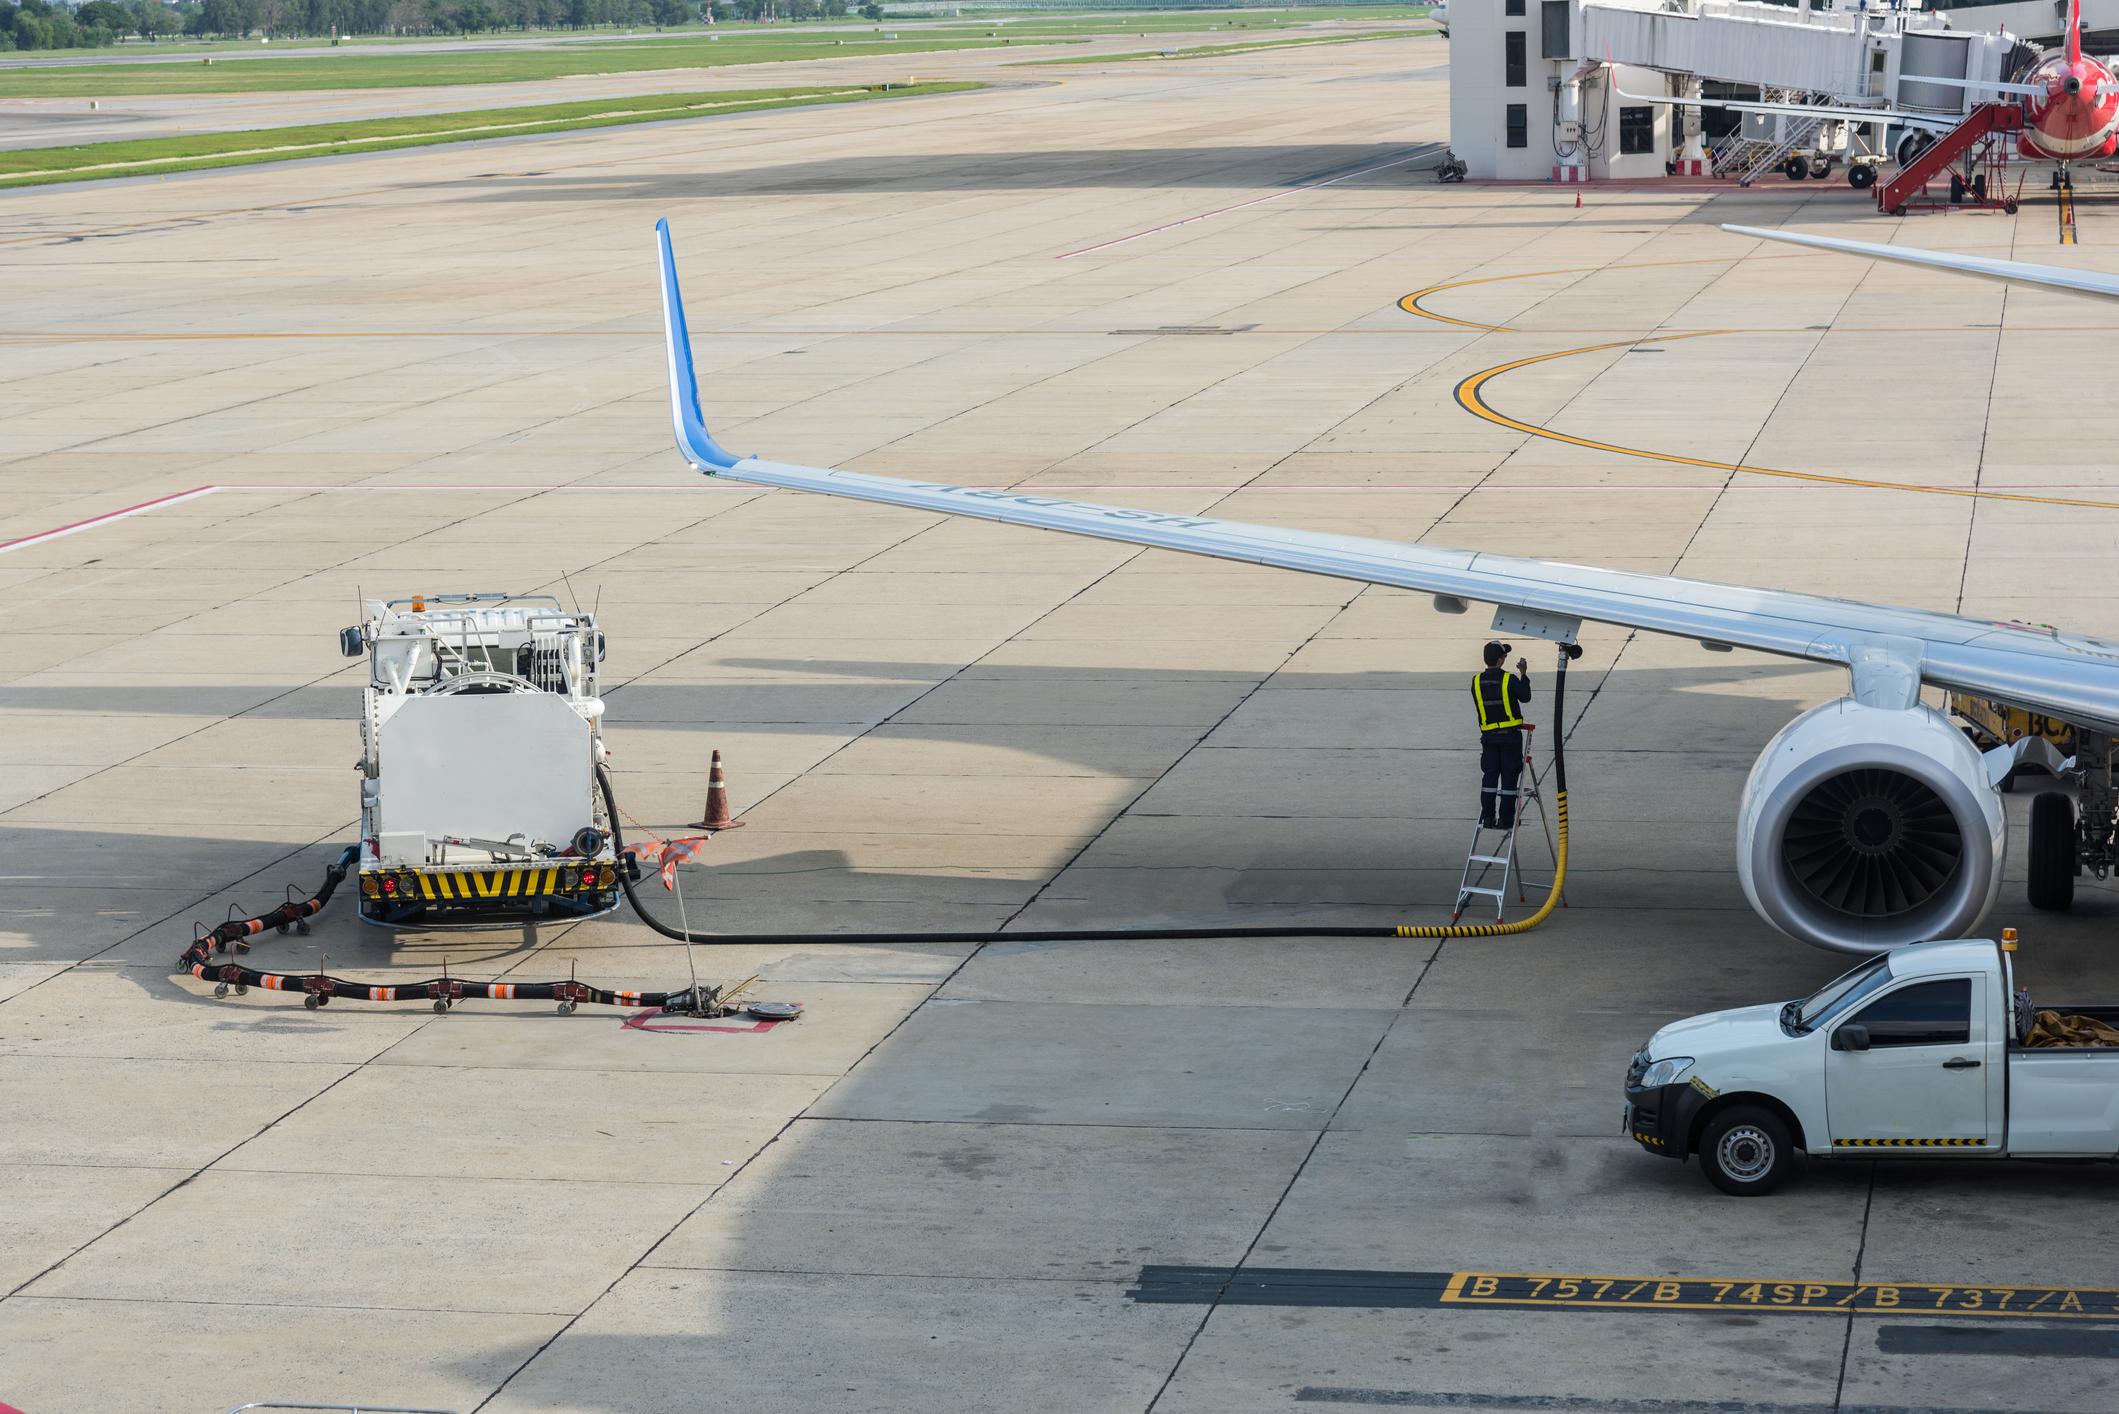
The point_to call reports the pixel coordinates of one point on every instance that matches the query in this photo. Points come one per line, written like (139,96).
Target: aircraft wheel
(1956,190)
(1745,1151)
(2051,881)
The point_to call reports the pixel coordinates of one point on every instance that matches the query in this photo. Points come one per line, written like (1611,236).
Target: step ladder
(1482,859)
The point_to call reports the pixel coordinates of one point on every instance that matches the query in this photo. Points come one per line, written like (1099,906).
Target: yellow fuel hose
(1568,651)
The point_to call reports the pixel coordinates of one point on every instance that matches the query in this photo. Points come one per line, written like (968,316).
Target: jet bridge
(1562,110)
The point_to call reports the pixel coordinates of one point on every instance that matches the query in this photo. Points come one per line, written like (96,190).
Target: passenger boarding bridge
(1537,87)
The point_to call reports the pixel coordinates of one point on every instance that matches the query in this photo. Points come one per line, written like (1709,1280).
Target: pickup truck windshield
(1841,991)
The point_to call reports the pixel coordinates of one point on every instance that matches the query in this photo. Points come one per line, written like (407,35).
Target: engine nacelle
(1866,828)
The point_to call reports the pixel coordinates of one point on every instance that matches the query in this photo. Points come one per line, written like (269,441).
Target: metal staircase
(1984,125)
(1745,159)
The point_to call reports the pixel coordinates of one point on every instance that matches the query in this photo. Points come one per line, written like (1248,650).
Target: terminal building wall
(1508,64)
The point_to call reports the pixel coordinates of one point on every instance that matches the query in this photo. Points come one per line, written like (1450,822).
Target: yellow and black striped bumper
(487,886)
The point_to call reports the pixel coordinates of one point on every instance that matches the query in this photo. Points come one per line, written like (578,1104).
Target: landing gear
(2052,863)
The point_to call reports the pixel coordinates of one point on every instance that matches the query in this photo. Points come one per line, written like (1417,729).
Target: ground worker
(1500,695)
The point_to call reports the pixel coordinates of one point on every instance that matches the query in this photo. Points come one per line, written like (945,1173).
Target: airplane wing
(2008,272)
(1890,651)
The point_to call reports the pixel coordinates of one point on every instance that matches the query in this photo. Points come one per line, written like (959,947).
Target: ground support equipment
(1975,154)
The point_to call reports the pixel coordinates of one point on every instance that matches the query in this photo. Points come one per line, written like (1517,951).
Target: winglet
(697,444)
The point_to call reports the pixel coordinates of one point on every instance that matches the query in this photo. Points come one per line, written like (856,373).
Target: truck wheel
(1861,175)
(1796,167)
(1745,1151)
(2052,864)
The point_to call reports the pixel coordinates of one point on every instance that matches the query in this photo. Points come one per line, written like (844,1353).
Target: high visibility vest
(1496,699)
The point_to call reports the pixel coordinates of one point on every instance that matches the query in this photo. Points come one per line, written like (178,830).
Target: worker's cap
(1495,652)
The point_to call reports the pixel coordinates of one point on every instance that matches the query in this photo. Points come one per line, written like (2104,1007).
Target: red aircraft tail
(2074,31)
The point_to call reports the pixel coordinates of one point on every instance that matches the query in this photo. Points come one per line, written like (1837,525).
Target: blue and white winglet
(1891,652)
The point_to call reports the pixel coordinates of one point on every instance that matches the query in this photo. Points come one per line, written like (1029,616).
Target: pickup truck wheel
(2051,881)
(1745,1151)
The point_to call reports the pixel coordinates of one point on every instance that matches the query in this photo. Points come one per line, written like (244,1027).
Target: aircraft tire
(2050,877)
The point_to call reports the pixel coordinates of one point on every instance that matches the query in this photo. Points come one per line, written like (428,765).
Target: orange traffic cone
(718,816)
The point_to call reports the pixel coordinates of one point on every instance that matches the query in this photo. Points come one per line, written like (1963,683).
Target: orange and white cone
(718,816)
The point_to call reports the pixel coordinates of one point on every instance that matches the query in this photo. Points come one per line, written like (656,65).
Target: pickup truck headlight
(1667,1071)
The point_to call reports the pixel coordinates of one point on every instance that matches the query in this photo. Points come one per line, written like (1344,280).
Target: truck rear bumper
(492,893)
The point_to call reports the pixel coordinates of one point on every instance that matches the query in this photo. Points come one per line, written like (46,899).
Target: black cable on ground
(1568,652)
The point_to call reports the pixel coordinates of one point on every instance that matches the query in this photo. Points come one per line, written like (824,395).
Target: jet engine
(1864,828)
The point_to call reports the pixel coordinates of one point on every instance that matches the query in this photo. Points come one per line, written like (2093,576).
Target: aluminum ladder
(1480,860)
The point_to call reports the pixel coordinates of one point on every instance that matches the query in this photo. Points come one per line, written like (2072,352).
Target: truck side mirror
(349,642)
(1851,1037)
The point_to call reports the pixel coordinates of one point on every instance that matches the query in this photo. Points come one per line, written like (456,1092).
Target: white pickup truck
(1923,1052)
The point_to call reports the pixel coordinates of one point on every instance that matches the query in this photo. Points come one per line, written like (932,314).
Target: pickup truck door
(1922,1083)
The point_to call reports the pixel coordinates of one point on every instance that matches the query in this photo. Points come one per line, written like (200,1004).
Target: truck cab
(1927,1051)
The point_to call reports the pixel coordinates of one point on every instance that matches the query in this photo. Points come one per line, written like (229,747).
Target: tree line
(39,24)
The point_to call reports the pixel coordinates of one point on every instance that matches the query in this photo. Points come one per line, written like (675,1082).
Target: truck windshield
(1841,991)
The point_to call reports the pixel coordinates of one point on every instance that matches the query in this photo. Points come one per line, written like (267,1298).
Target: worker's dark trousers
(1500,767)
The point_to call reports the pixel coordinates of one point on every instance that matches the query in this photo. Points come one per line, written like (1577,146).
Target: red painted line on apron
(639,1021)
(24,542)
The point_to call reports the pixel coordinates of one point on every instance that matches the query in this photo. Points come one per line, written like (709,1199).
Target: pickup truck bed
(2108,1015)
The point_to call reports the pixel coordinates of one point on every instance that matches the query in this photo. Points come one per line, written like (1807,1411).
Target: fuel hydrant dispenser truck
(481,734)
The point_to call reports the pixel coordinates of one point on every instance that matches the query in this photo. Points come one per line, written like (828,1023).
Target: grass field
(412,67)
(155,156)
(1209,51)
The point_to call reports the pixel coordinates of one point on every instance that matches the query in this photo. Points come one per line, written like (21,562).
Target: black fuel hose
(322,987)
(293,911)
(1115,935)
